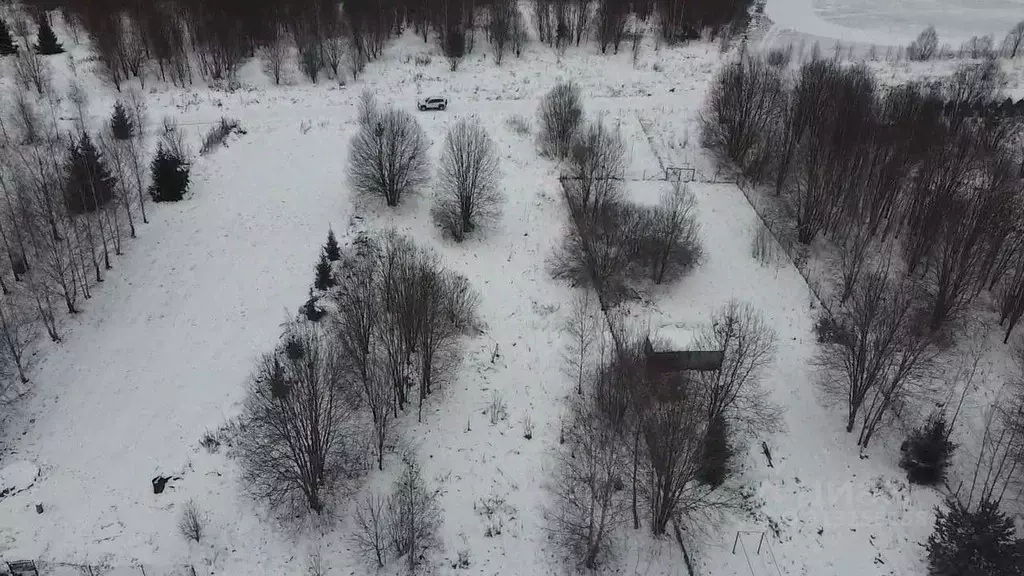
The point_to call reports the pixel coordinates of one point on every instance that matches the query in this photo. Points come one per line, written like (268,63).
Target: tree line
(183,40)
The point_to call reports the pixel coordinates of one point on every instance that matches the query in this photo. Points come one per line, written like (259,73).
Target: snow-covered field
(162,351)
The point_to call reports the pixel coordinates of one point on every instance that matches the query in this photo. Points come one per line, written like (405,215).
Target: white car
(433,103)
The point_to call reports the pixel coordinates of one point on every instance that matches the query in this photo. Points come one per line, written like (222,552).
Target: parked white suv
(433,103)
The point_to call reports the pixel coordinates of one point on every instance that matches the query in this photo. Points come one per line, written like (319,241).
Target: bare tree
(275,55)
(371,531)
(669,240)
(582,327)
(742,103)
(446,307)
(734,392)
(16,334)
(297,415)
(561,114)
(503,18)
(467,181)
(673,432)
(925,46)
(1014,40)
(587,505)
(414,515)
(192,523)
(30,69)
(879,354)
(597,169)
(389,157)
(25,118)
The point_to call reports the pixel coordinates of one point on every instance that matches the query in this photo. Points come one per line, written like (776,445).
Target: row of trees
(638,443)
(926,46)
(869,170)
(181,39)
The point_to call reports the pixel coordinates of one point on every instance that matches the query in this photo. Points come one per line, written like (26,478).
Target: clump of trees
(467,194)
(388,158)
(611,241)
(653,447)
(911,169)
(926,46)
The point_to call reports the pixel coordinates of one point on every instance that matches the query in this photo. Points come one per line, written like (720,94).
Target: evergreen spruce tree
(714,467)
(324,280)
(170,175)
(120,124)
(7,45)
(46,40)
(331,249)
(927,452)
(90,184)
(978,543)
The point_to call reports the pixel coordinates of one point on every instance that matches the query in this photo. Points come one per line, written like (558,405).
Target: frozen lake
(952,18)
(896,22)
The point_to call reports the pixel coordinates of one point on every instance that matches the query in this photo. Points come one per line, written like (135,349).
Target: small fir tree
(927,452)
(46,40)
(120,124)
(324,280)
(90,184)
(7,45)
(170,176)
(331,249)
(978,543)
(714,467)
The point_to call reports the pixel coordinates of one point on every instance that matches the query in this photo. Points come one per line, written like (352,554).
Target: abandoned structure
(668,369)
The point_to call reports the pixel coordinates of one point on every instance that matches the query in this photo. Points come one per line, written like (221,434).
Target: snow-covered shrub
(927,451)
(217,135)
(560,116)
(518,124)
(497,410)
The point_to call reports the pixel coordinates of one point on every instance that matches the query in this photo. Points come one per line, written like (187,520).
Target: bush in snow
(927,451)
(217,135)
(371,535)
(192,523)
(467,183)
(976,542)
(668,239)
(170,175)
(560,116)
